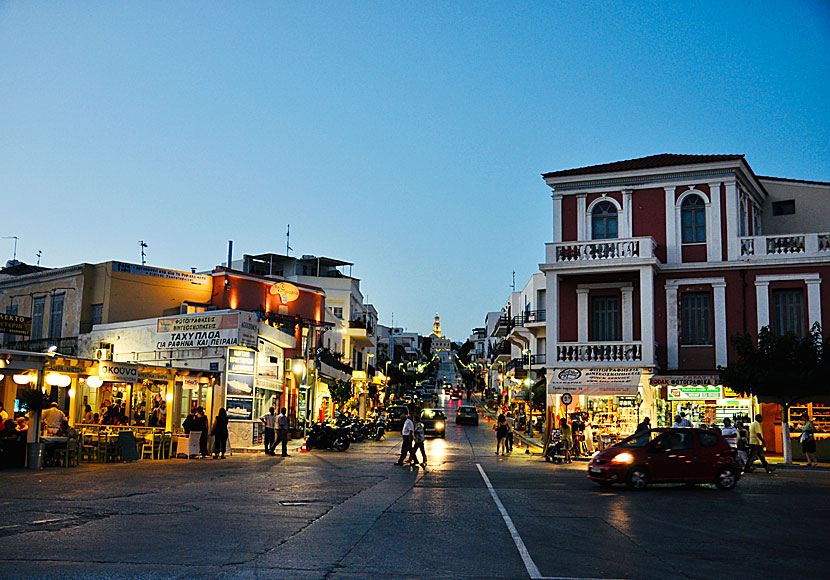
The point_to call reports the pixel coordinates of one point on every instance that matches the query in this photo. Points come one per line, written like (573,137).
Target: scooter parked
(324,436)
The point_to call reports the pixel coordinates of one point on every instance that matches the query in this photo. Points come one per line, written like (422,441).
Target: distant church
(440,344)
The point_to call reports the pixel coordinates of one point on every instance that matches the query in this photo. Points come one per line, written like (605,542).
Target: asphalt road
(355,515)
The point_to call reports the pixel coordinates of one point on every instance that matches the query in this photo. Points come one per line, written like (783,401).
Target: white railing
(787,245)
(599,352)
(600,250)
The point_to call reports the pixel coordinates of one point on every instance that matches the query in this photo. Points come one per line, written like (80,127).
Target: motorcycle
(377,428)
(324,436)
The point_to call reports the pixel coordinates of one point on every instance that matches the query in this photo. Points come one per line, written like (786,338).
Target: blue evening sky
(406,137)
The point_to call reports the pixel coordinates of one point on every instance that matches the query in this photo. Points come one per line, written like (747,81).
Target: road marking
(532,570)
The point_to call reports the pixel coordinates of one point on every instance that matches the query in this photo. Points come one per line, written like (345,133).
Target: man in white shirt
(270,422)
(730,433)
(52,418)
(406,433)
(282,431)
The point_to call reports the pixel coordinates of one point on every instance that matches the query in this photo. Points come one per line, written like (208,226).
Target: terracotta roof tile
(650,162)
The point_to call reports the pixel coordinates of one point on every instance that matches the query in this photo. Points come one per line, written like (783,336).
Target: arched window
(604,221)
(693,220)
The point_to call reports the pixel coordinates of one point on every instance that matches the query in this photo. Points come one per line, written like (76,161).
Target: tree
(341,391)
(782,369)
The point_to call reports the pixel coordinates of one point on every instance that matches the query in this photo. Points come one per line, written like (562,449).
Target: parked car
(397,415)
(435,422)
(667,455)
(466,414)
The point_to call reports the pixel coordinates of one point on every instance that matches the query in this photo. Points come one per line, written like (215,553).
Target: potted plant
(35,401)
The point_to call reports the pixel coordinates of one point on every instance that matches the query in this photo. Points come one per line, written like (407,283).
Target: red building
(656,262)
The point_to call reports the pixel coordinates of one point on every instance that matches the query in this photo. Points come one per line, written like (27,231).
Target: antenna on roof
(287,240)
(15,238)
(514,281)
(142,245)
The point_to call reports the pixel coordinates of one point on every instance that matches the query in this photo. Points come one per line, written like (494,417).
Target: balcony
(529,318)
(67,346)
(503,352)
(537,359)
(782,247)
(599,353)
(600,252)
(503,326)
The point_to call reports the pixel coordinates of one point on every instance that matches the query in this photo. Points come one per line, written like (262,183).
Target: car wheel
(727,478)
(637,478)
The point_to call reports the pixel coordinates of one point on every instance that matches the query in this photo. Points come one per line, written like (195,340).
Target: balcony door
(605,318)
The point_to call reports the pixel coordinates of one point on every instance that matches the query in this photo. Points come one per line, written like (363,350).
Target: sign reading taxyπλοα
(695,392)
(613,381)
(117,372)
(14,324)
(201,330)
(241,361)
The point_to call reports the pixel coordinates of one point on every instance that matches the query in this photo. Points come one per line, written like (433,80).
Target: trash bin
(34,457)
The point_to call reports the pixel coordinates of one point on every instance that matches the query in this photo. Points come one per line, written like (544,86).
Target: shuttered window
(605,318)
(37,317)
(788,311)
(56,316)
(696,319)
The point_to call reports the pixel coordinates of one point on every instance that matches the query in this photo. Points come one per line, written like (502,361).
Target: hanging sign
(117,372)
(201,330)
(614,381)
(241,361)
(660,380)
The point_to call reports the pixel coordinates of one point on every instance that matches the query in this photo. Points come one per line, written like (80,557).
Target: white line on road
(532,570)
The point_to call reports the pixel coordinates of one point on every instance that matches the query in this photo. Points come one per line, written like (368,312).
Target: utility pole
(142,245)
(514,281)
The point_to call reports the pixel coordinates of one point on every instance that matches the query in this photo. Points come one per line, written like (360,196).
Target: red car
(666,456)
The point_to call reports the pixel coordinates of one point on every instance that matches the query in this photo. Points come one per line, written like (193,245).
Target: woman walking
(567,438)
(220,434)
(501,435)
(808,442)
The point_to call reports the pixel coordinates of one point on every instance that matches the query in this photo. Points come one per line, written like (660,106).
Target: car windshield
(432,414)
(640,439)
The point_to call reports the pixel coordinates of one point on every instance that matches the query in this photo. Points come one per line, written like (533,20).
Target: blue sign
(214,366)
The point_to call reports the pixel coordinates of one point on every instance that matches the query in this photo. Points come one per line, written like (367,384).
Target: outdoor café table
(52,444)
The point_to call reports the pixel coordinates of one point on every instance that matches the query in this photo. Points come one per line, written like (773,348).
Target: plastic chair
(147,449)
(166,445)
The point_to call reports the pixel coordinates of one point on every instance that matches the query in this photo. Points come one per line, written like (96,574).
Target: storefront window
(149,409)
(264,399)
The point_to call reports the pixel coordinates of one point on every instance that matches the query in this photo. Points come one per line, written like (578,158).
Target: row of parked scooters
(344,430)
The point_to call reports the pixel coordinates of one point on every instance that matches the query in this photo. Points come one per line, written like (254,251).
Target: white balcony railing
(600,250)
(599,352)
(785,246)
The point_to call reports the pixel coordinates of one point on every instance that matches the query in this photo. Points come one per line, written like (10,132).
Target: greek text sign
(615,381)
(118,373)
(695,392)
(125,268)
(14,324)
(235,329)
(241,361)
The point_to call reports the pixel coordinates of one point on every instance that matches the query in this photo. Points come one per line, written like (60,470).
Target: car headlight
(623,458)
(439,425)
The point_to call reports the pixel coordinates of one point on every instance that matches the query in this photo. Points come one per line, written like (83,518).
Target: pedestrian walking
(588,432)
(756,446)
(220,434)
(567,438)
(200,424)
(808,442)
(644,426)
(406,437)
(282,432)
(510,428)
(501,434)
(418,437)
(730,433)
(270,421)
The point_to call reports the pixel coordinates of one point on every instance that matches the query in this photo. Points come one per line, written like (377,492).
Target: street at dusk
(354,514)
(428,290)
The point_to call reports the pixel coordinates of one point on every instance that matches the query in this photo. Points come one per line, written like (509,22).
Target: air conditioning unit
(103,354)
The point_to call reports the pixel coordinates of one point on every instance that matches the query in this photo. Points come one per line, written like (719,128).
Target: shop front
(609,402)
(702,398)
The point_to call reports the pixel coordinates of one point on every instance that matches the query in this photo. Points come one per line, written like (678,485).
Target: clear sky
(406,137)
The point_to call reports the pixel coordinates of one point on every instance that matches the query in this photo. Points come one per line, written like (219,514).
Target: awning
(612,381)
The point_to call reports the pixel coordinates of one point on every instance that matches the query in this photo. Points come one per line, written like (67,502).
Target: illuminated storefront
(701,397)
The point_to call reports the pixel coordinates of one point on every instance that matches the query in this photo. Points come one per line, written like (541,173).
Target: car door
(672,456)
